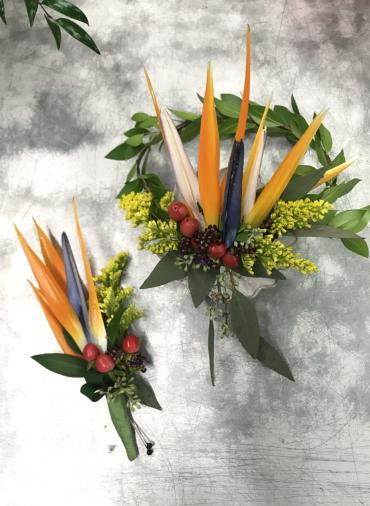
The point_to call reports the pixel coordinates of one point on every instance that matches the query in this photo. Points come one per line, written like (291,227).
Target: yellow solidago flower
(136,206)
(297,214)
(159,236)
(275,254)
(166,200)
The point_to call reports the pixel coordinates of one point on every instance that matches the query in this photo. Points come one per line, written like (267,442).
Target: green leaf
(146,392)
(93,377)
(114,326)
(150,121)
(298,125)
(91,392)
(31,6)
(121,418)
(299,186)
(200,284)
(164,272)
(135,186)
(358,246)
(227,108)
(211,350)
(283,114)
(155,185)
(335,192)
(55,30)
(320,230)
(185,115)
(304,170)
(135,140)
(66,8)
(244,322)
(191,131)
(338,160)
(138,117)
(77,33)
(227,127)
(2,11)
(132,173)
(123,152)
(231,99)
(273,359)
(326,138)
(71,342)
(294,104)
(133,131)
(353,219)
(321,155)
(66,365)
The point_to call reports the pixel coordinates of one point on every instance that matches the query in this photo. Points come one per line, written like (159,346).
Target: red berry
(230,260)
(216,250)
(189,227)
(90,352)
(104,363)
(131,344)
(177,211)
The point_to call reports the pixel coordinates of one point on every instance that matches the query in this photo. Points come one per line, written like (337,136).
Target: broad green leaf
(66,365)
(189,132)
(164,272)
(338,160)
(55,30)
(77,33)
(135,140)
(304,170)
(133,131)
(92,392)
(135,186)
(155,185)
(150,121)
(227,108)
(335,192)
(185,115)
(114,326)
(298,125)
(146,392)
(123,152)
(71,342)
(66,8)
(211,350)
(231,99)
(2,11)
(273,359)
(320,230)
(138,117)
(321,155)
(132,173)
(294,104)
(200,284)
(326,139)
(358,246)
(31,6)
(299,186)
(93,377)
(353,219)
(121,419)
(244,322)
(227,127)
(283,114)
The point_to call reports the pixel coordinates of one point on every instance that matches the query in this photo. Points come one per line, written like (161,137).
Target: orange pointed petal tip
(280,179)
(209,156)
(52,257)
(335,171)
(153,95)
(95,317)
(53,322)
(243,116)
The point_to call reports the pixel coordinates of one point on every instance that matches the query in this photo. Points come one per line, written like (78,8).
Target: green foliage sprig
(56,25)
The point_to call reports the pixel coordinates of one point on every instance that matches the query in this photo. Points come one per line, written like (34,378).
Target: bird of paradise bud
(62,296)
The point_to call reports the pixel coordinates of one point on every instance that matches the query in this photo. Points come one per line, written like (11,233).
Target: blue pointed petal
(233,194)
(76,292)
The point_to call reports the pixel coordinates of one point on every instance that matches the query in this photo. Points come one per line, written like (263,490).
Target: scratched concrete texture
(256,438)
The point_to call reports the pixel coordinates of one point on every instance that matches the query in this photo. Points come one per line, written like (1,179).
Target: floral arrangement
(92,326)
(220,229)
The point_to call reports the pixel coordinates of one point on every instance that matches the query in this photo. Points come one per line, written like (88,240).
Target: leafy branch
(56,25)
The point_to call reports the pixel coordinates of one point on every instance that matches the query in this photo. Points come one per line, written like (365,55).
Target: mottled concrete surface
(255,438)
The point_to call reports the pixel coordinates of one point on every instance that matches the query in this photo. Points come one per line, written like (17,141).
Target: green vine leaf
(55,30)
(200,284)
(164,272)
(146,392)
(244,322)
(66,365)
(121,418)
(272,358)
(2,11)
(78,33)
(358,246)
(66,8)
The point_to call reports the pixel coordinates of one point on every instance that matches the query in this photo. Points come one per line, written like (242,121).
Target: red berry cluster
(127,356)
(206,246)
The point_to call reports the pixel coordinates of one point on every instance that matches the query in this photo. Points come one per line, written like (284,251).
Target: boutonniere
(225,232)
(92,325)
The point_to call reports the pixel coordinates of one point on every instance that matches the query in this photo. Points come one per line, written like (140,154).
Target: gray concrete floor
(255,438)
